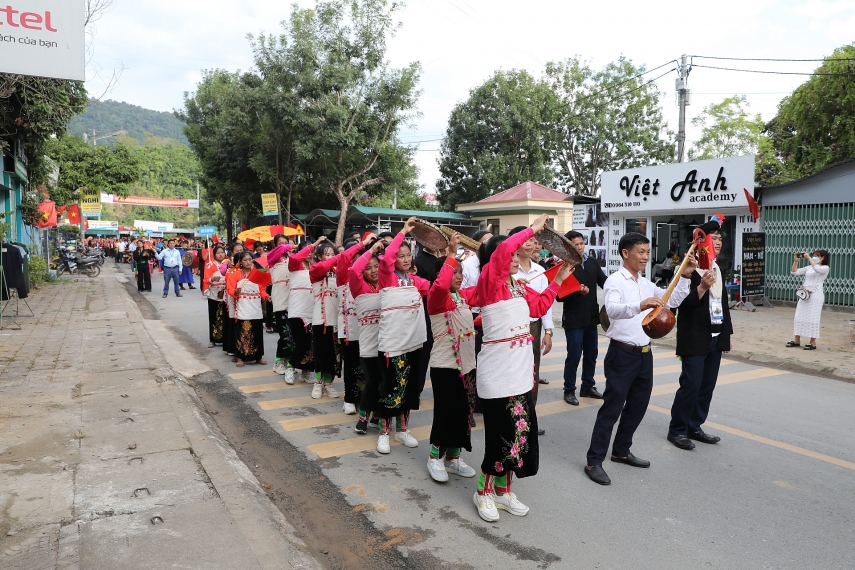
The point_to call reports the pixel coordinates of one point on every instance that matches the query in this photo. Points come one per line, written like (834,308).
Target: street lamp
(95,139)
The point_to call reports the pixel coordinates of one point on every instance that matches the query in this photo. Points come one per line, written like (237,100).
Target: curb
(830,372)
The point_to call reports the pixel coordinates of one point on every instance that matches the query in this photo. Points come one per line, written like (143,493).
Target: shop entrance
(673,234)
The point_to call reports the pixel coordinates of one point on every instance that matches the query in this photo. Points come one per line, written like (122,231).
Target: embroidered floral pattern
(218,323)
(471,393)
(286,345)
(395,393)
(245,341)
(514,450)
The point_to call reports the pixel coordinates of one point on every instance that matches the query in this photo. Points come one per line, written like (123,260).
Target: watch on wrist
(548,331)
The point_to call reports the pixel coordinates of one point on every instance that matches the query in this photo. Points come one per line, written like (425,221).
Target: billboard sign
(704,184)
(207,230)
(269,205)
(104,225)
(43,38)
(90,201)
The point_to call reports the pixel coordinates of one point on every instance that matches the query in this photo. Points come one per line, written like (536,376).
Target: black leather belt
(632,347)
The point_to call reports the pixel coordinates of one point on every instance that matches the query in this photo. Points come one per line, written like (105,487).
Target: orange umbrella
(267,233)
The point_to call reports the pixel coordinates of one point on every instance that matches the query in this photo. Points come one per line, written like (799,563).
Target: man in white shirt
(171,258)
(628,366)
(120,250)
(533,274)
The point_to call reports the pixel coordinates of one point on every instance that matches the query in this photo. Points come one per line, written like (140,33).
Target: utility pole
(199,209)
(683,93)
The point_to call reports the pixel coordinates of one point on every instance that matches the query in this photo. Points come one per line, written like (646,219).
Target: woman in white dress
(809,310)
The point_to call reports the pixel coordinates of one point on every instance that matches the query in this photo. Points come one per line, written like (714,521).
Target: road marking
(253,374)
(321,420)
(771,442)
(367,443)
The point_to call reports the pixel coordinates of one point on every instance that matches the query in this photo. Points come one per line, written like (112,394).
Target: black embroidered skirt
(325,349)
(354,381)
(216,321)
(372,374)
(229,326)
(249,339)
(510,436)
(454,402)
(399,387)
(285,344)
(301,357)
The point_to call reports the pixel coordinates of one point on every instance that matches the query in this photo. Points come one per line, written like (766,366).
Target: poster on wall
(753,279)
(590,221)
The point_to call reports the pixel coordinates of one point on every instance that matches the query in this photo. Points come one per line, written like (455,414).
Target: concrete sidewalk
(106,461)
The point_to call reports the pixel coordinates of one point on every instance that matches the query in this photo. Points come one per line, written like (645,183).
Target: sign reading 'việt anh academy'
(703,184)
(43,38)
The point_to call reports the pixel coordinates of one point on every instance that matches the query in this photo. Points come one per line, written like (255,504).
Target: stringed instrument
(660,321)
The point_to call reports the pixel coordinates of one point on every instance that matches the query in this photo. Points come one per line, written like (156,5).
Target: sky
(163,46)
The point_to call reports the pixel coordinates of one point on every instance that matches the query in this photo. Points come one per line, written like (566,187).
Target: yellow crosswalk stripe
(322,420)
(252,374)
(368,443)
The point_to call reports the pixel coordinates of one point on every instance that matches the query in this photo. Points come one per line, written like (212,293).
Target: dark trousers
(170,273)
(143,276)
(581,345)
(629,382)
(697,382)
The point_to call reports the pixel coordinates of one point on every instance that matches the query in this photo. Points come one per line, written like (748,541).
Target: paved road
(777,492)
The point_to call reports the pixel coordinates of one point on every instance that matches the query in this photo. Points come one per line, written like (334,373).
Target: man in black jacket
(703,334)
(580,318)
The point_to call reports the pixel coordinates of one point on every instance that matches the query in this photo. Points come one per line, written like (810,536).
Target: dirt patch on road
(333,529)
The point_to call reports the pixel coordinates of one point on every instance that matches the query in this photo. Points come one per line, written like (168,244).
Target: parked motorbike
(73,264)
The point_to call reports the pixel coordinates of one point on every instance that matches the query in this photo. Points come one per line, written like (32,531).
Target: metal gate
(805,228)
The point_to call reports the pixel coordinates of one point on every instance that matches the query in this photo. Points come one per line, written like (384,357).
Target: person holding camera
(811,298)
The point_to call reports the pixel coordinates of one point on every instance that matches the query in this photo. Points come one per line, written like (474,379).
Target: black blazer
(693,322)
(582,310)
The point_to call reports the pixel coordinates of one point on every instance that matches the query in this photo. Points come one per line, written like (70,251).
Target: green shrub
(38,270)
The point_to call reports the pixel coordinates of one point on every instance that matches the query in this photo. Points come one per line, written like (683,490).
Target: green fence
(805,228)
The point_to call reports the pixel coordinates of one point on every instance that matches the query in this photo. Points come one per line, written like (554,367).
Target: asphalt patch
(510,547)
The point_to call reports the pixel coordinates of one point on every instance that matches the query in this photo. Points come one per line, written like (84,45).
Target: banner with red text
(149,201)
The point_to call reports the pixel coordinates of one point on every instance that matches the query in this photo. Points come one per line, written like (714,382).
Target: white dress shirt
(622,297)
(170,257)
(537,281)
(471,272)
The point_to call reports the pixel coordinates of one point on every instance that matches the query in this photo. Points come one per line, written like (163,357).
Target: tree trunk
(288,205)
(227,209)
(344,202)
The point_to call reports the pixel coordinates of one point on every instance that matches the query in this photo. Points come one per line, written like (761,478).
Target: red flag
(752,205)
(248,244)
(276,230)
(215,239)
(568,287)
(47,215)
(60,210)
(74,214)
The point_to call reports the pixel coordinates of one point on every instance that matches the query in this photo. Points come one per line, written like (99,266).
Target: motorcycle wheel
(92,270)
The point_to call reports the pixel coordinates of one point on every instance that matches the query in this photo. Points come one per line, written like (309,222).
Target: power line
(769,59)
(774,72)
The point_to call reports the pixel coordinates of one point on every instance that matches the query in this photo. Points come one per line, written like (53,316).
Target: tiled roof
(526,191)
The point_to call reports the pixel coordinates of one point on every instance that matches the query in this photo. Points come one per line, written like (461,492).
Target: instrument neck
(677,275)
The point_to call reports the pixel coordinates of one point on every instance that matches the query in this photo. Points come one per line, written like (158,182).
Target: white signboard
(146,225)
(704,184)
(43,38)
(593,224)
(104,225)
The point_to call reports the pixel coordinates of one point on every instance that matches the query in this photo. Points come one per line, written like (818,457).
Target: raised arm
(539,304)
(295,261)
(438,295)
(275,255)
(343,263)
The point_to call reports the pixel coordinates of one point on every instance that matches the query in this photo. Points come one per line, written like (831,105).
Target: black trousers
(143,276)
(697,382)
(301,357)
(629,382)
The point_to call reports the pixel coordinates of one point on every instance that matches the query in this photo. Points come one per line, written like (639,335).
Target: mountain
(107,117)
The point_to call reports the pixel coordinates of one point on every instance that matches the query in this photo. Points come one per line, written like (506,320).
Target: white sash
(368,315)
(506,360)
(460,340)
(325,298)
(402,320)
(301,304)
(249,301)
(348,324)
(280,290)
(214,288)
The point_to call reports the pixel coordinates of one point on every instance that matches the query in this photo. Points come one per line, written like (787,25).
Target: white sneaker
(486,507)
(508,502)
(383,443)
(458,467)
(405,438)
(279,367)
(436,468)
(289,374)
(308,377)
(317,391)
(349,409)
(330,391)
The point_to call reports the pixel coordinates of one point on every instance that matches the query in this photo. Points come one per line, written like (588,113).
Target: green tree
(727,129)
(110,170)
(224,149)
(815,126)
(496,139)
(603,120)
(352,103)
